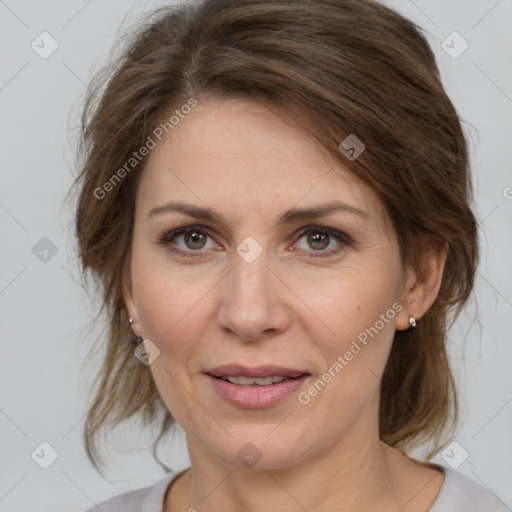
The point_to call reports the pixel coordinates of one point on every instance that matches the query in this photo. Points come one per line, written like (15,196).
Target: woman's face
(262,282)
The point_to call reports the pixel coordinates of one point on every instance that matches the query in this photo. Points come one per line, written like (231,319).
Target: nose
(252,304)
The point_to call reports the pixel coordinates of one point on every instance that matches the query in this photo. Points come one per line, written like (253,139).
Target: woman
(275,199)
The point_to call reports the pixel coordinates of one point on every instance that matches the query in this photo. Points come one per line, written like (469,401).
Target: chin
(262,447)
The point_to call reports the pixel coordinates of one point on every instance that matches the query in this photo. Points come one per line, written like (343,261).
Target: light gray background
(45,313)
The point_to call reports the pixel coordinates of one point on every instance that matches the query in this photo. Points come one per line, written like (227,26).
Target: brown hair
(337,67)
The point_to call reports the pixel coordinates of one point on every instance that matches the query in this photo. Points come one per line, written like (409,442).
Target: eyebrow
(293,215)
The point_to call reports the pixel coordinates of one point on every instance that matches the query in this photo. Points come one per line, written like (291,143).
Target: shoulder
(460,493)
(147,499)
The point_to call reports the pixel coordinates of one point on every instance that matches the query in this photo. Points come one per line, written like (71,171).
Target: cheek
(173,309)
(354,358)
(169,298)
(348,300)
(353,325)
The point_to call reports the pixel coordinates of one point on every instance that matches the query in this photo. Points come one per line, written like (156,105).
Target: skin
(289,307)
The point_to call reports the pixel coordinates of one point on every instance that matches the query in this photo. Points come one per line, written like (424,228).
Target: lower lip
(254,397)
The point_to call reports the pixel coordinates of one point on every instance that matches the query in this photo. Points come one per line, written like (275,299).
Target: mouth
(261,375)
(254,388)
(256,381)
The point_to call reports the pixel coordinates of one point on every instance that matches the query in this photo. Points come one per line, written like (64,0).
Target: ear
(422,283)
(129,303)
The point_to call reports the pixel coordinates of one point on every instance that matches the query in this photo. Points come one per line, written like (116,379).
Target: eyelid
(173,233)
(168,236)
(335,233)
(343,241)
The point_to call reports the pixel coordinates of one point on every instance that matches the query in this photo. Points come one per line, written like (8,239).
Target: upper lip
(236,370)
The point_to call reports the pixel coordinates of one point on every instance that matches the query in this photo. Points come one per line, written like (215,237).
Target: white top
(458,494)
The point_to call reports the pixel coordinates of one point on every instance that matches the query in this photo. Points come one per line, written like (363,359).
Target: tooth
(267,381)
(249,381)
(245,381)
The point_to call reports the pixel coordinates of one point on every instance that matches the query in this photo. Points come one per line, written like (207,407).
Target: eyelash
(166,239)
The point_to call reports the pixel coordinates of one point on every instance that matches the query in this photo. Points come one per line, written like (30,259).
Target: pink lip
(255,397)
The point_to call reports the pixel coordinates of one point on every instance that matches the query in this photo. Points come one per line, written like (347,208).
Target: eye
(188,241)
(318,239)
(194,239)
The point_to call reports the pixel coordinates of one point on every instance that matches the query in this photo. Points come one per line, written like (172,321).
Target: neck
(354,475)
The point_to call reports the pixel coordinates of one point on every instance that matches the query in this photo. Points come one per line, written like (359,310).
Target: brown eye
(188,241)
(194,240)
(322,242)
(318,241)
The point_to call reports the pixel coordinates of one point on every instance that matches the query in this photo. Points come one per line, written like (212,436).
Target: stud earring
(137,339)
(412,321)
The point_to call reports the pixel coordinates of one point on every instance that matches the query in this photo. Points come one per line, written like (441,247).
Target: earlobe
(133,321)
(422,286)
(131,313)
(129,304)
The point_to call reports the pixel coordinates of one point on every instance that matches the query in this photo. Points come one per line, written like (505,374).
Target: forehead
(238,156)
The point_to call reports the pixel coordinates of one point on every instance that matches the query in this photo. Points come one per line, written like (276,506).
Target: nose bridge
(250,272)
(249,304)
(248,282)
